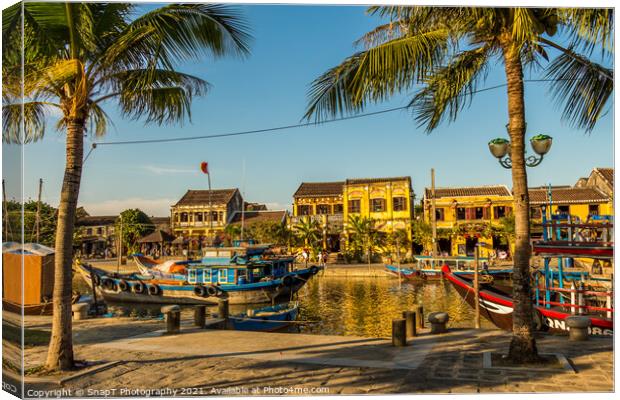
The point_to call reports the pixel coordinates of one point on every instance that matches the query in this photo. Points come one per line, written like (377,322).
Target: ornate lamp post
(500,148)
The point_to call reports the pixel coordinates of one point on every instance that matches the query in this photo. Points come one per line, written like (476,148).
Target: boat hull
(497,307)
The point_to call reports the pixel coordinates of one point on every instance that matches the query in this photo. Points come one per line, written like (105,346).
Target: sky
(292,46)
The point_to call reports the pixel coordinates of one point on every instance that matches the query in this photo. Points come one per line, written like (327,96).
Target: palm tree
(397,243)
(308,230)
(232,231)
(78,57)
(448,51)
(363,235)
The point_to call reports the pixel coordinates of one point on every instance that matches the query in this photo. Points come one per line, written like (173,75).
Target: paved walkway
(203,362)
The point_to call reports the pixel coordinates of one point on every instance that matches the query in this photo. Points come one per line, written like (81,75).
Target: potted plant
(541,143)
(499,147)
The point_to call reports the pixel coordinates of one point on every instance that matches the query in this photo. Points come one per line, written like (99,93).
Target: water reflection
(346,306)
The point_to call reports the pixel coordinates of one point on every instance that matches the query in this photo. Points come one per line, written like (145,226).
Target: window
(304,210)
(338,209)
(184,217)
(563,210)
(198,217)
(499,212)
(99,231)
(439,214)
(535,213)
(89,231)
(323,209)
(593,209)
(479,213)
(377,205)
(399,204)
(460,213)
(354,206)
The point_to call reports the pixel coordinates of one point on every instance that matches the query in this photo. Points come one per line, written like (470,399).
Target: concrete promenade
(204,362)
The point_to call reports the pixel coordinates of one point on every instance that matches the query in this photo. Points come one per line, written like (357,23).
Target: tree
(47,225)
(448,50)
(397,243)
(364,236)
(308,230)
(422,233)
(269,232)
(78,57)
(133,225)
(232,232)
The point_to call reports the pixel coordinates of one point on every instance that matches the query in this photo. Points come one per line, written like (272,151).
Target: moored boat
(496,305)
(405,273)
(430,268)
(266,319)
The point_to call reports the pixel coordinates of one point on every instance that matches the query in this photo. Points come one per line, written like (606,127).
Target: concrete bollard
(438,322)
(173,319)
(399,333)
(223,312)
(410,319)
(578,328)
(419,311)
(80,310)
(200,313)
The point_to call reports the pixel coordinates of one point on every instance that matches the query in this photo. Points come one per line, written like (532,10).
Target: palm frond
(589,28)
(180,32)
(582,86)
(375,74)
(32,118)
(449,89)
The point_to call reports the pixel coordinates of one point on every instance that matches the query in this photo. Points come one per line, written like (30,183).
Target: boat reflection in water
(348,306)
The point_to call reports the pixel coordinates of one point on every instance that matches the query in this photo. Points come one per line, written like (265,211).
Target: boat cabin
(456,263)
(239,274)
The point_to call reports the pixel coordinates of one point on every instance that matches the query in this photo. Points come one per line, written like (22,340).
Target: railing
(332,219)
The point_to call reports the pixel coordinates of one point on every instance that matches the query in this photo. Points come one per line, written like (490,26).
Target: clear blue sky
(292,46)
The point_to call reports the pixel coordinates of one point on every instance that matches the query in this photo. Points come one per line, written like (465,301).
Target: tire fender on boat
(154,290)
(123,285)
(211,290)
(139,287)
(314,270)
(108,284)
(200,291)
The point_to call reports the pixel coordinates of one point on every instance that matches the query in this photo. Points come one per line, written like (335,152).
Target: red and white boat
(496,305)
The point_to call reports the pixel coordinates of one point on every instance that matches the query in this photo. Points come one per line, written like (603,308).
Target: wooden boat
(405,273)
(430,268)
(266,319)
(203,288)
(497,306)
(565,248)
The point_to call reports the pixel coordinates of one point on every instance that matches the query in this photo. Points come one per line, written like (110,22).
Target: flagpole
(210,208)
(243,201)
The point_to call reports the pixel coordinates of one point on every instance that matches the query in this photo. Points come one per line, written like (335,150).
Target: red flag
(204,166)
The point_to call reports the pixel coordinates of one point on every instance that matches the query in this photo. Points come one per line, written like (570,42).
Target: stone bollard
(419,311)
(399,333)
(578,328)
(173,319)
(438,321)
(200,313)
(223,312)
(410,319)
(80,310)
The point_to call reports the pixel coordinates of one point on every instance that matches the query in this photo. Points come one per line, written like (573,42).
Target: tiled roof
(201,197)
(496,190)
(96,220)
(314,189)
(157,236)
(251,217)
(607,174)
(358,181)
(160,220)
(567,195)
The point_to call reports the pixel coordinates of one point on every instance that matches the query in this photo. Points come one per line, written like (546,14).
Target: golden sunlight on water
(366,306)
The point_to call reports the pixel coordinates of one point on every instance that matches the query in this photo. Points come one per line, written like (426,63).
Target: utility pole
(477,287)
(433,213)
(38,218)
(120,245)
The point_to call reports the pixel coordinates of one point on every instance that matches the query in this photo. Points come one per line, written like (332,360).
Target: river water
(352,306)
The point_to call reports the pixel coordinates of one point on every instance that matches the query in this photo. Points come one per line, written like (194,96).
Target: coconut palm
(79,57)
(308,230)
(363,235)
(448,50)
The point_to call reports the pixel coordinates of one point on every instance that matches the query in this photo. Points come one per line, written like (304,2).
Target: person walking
(321,257)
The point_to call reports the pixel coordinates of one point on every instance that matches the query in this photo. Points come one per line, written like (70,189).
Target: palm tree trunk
(523,345)
(60,352)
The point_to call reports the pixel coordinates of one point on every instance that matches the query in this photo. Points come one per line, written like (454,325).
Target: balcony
(333,220)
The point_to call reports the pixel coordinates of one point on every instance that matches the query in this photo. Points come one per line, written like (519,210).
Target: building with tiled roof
(464,215)
(204,213)
(603,179)
(252,217)
(567,195)
(319,189)
(96,234)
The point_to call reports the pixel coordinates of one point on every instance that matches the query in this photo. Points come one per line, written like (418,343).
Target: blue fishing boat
(431,267)
(266,319)
(405,273)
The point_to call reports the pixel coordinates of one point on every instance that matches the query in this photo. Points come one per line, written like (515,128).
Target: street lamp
(500,148)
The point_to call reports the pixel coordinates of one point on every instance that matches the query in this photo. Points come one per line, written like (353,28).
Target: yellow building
(580,202)
(465,216)
(388,201)
(204,213)
(321,201)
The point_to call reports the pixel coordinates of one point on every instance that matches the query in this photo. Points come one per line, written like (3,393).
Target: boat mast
(433,213)
(38,217)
